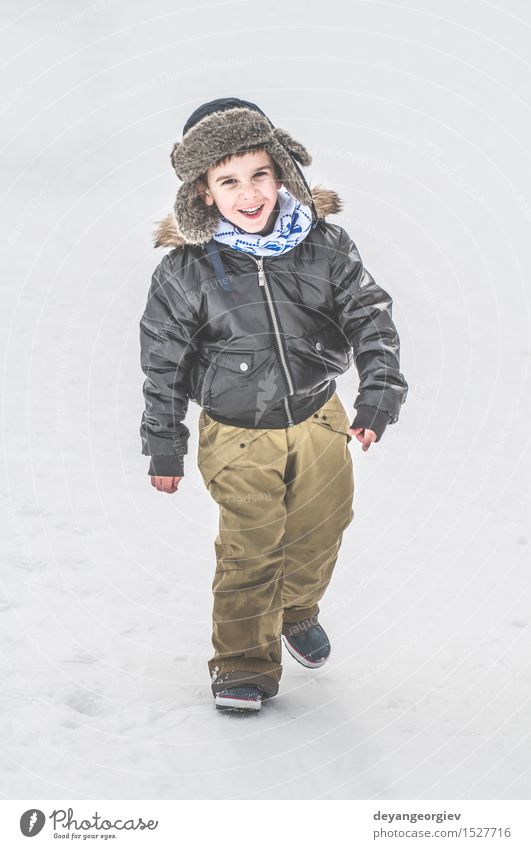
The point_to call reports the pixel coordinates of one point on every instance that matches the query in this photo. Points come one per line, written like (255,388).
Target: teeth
(253,209)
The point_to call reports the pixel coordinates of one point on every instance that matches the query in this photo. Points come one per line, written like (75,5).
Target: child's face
(244,183)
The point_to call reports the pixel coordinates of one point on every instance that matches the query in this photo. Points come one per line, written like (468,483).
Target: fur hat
(215,130)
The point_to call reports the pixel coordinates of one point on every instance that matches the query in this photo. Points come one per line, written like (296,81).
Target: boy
(254,312)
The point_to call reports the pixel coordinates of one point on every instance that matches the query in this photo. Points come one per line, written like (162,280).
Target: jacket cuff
(372,418)
(166,466)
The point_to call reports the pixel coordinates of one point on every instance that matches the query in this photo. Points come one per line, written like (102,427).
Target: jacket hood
(167,234)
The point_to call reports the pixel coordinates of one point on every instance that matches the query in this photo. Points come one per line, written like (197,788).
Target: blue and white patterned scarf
(294,221)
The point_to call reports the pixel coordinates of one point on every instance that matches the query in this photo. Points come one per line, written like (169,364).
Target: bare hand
(165,484)
(364,435)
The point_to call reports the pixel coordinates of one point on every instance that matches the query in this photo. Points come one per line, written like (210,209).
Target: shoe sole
(235,704)
(310,664)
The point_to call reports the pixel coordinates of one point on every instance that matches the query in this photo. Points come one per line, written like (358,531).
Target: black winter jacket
(258,341)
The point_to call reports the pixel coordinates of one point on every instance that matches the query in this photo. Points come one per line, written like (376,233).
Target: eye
(226,182)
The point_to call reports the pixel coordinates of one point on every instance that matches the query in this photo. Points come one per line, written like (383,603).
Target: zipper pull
(261,274)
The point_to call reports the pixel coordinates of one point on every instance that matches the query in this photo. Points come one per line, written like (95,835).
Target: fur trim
(167,234)
(222,133)
(295,149)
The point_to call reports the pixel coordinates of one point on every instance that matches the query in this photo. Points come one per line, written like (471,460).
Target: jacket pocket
(205,383)
(331,348)
(238,361)
(232,386)
(316,359)
(196,377)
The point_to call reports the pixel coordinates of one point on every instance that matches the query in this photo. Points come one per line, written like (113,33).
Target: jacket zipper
(262,281)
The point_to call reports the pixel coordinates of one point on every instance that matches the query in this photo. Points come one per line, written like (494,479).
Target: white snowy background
(417,113)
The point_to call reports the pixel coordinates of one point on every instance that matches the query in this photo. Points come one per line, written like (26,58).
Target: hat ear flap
(297,150)
(173,157)
(195,220)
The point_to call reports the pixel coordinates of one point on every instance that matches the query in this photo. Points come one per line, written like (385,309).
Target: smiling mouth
(252,211)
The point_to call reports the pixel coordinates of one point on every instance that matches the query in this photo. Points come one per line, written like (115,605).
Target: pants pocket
(333,416)
(221,445)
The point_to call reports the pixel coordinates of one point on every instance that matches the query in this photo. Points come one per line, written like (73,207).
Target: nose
(246,190)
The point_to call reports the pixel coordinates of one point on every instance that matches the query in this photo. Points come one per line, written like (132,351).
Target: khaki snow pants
(285,498)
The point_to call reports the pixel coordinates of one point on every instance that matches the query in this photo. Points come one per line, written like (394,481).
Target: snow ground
(105,585)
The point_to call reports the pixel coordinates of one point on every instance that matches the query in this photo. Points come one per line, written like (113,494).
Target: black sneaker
(244,698)
(307,642)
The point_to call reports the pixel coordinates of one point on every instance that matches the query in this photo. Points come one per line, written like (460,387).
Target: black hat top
(219,105)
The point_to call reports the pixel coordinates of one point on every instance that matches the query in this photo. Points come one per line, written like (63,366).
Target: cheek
(223,201)
(272,193)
